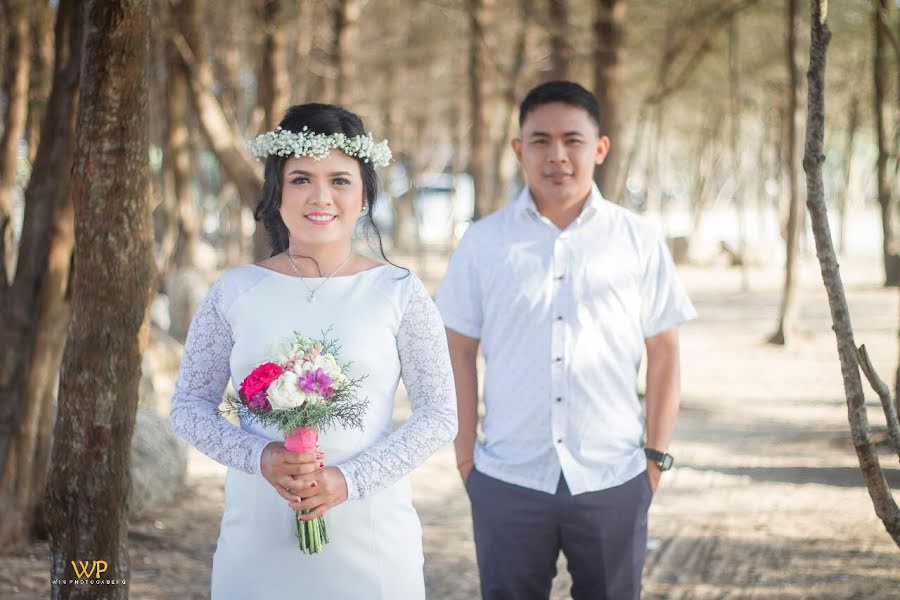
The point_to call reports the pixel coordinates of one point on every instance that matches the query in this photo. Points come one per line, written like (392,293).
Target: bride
(319,179)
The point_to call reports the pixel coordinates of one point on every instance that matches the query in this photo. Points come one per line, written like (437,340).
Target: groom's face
(559,147)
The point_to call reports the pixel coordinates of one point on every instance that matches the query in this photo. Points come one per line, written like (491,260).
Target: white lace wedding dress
(388,327)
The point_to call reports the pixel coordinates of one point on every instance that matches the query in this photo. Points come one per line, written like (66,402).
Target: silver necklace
(312,291)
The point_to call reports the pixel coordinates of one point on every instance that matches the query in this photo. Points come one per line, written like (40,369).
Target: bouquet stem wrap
(312,535)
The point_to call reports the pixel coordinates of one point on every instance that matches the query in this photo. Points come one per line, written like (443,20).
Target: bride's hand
(320,492)
(283,468)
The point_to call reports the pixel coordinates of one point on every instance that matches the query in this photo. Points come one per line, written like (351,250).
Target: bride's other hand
(320,492)
(283,469)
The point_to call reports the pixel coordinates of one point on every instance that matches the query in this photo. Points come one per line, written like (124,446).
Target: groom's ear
(516,145)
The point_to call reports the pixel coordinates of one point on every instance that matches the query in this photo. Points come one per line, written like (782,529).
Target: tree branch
(884,394)
(879,491)
(886,27)
(223,140)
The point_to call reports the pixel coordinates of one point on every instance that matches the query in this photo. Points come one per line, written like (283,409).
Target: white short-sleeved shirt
(562,317)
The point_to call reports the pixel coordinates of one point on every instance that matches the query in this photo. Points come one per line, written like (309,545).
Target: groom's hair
(566,92)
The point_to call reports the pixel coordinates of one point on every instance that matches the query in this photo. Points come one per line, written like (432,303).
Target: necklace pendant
(312,298)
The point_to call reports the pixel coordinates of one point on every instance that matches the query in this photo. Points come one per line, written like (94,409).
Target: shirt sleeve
(426,372)
(664,302)
(202,379)
(459,296)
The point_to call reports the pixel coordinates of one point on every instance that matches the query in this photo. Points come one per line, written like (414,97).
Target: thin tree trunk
(183,222)
(273,81)
(788,301)
(634,148)
(15,91)
(510,96)
(885,506)
(739,197)
(113,275)
(273,88)
(41,72)
(561,51)
(303,51)
(852,127)
(34,312)
(609,41)
(480,102)
(226,143)
(346,41)
(890,252)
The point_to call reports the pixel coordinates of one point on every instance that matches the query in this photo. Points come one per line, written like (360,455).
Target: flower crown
(282,142)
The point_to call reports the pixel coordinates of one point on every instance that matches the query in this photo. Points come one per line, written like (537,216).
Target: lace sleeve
(202,378)
(426,372)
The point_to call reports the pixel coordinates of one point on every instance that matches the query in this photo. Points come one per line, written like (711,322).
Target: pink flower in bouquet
(259,379)
(317,382)
(259,400)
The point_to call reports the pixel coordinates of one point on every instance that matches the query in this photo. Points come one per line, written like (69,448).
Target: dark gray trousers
(519,533)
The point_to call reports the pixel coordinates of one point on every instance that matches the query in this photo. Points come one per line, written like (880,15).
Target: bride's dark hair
(317,118)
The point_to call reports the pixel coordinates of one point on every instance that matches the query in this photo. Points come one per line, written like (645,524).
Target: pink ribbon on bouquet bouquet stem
(302,439)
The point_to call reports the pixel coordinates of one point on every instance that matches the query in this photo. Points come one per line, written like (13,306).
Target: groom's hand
(282,468)
(654,473)
(465,469)
(320,492)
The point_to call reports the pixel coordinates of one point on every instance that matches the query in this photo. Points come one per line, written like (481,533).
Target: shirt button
(559,399)
(559,440)
(560,277)
(559,318)
(558,359)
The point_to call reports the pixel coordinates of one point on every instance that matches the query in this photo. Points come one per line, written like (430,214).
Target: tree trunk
(113,275)
(34,312)
(480,96)
(885,506)
(634,150)
(788,302)
(41,72)
(511,94)
(303,51)
(845,198)
(15,91)
(609,42)
(273,77)
(226,143)
(561,51)
(890,251)
(182,229)
(346,41)
(738,184)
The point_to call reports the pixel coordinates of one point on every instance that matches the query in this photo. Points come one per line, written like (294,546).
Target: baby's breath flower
(282,142)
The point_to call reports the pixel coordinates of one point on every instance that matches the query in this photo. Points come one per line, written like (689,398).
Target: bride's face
(321,199)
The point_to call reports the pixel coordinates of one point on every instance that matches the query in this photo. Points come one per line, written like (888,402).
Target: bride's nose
(321,195)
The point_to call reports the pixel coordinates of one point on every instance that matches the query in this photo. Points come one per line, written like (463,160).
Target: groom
(563,291)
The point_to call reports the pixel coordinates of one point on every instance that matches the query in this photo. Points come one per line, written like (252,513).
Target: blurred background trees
(704,101)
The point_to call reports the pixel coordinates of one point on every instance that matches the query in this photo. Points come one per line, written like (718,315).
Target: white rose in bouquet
(284,392)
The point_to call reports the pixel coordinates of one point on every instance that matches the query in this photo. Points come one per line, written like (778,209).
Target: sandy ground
(766,500)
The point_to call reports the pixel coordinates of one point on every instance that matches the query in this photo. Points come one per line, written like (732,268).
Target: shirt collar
(525,206)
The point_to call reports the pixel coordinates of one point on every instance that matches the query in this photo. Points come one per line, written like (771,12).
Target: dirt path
(766,500)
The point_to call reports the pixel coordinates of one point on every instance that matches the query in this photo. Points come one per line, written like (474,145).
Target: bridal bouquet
(301,390)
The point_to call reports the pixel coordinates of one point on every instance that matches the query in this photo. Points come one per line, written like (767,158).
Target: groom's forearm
(662,392)
(463,356)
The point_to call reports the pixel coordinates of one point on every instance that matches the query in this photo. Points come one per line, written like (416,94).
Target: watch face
(667,462)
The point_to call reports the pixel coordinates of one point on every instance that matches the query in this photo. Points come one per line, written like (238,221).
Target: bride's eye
(300,179)
(341,181)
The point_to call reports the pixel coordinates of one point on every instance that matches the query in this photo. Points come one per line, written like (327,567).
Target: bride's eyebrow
(308,174)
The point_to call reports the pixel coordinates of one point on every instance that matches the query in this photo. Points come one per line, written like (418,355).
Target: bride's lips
(321,219)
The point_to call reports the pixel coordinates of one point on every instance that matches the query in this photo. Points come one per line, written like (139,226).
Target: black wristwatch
(664,460)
